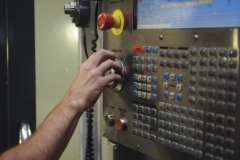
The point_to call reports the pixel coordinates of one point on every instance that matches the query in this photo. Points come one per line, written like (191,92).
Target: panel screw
(161,37)
(137,146)
(196,37)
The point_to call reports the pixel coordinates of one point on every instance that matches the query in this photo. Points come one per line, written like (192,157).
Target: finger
(112,77)
(109,64)
(101,56)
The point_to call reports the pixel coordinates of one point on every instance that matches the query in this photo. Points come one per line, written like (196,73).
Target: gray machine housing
(120,104)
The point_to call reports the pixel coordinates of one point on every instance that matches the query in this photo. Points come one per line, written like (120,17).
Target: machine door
(180,92)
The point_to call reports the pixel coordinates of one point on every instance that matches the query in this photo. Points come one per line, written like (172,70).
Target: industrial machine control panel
(180,58)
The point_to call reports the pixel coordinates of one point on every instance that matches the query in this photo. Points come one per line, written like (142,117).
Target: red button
(121,124)
(105,21)
(138,49)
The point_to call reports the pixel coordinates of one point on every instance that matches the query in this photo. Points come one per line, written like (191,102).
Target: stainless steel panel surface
(119,104)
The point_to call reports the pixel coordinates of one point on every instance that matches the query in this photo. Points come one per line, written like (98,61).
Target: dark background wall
(18,98)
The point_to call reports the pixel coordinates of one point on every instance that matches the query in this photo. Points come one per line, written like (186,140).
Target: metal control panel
(179,98)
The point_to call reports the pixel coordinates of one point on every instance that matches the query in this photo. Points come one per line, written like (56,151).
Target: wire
(85,43)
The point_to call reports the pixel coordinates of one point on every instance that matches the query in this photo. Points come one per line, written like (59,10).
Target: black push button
(203,51)
(222,52)
(176,64)
(202,82)
(203,62)
(230,132)
(211,93)
(211,82)
(184,55)
(162,53)
(229,143)
(192,90)
(162,63)
(233,53)
(222,74)
(219,129)
(231,97)
(221,84)
(169,64)
(185,65)
(222,63)
(193,51)
(193,61)
(232,86)
(176,54)
(202,71)
(202,91)
(232,75)
(212,72)
(231,107)
(211,103)
(169,54)
(212,62)
(212,52)
(220,118)
(221,95)
(220,105)
(192,71)
(192,80)
(230,121)
(232,64)
(201,101)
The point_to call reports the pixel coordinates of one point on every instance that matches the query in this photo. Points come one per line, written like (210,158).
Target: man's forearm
(51,138)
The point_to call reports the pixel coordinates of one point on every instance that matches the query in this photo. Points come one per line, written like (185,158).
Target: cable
(89,145)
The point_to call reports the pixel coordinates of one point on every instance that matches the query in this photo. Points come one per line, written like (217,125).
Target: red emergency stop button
(121,124)
(107,21)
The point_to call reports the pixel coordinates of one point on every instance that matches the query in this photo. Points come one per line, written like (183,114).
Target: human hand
(91,79)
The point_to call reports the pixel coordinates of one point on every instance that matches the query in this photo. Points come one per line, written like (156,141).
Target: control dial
(121,124)
(115,85)
(109,120)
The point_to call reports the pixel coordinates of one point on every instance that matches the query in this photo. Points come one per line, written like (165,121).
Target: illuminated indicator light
(121,124)
(138,49)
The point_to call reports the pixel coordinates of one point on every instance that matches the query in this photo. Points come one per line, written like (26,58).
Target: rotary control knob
(107,21)
(109,120)
(115,85)
(121,124)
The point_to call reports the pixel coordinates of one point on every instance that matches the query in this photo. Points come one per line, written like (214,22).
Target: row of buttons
(144,95)
(213,73)
(173,76)
(148,68)
(222,63)
(172,95)
(145,110)
(175,54)
(211,92)
(171,64)
(144,78)
(143,86)
(144,118)
(183,110)
(147,60)
(221,52)
(147,49)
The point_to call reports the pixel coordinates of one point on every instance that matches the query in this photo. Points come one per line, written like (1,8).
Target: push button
(222,52)
(154,49)
(184,54)
(139,49)
(212,52)
(193,51)
(179,77)
(166,75)
(233,53)
(148,49)
(203,51)
(162,53)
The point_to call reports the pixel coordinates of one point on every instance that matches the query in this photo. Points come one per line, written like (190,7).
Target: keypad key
(198,154)
(167,143)
(232,86)
(199,114)
(146,110)
(145,135)
(199,124)
(152,138)
(146,127)
(203,61)
(192,90)
(153,120)
(221,95)
(231,107)
(170,54)
(230,143)
(190,151)
(184,54)
(175,108)
(229,153)
(231,97)
(175,136)
(160,140)
(219,150)
(211,103)
(199,134)
(168,125)
(168,134)
(209,147)
(176,54)
(212,62)
(212,72)
(210,116)
(182,129)
(192,71)
(190,131)
(191,99)
(211,93)
(219,140)
(162,53)
(233,53)
(220,118)
(232,64)
(161,123)
(202,91)
(182,119)
(162,63)
(168,106)
(193,61)
(139,133)
(168,116)
(211,82)
(134,132)
(193,51)
(222,73)
(209,137)
(232,75)
(220,105)
(230,132)
(210,127)
(183,110)
(182,148)
(182,139)
(161,132)
(202,82)
(219,129)
(203,51)
(192,80)
(201,101)
(191,112)
(222,52)
(222,63)
(198,144)
(153,112)
(202,71)
(175,118)
(190,141)
(212,52)
(148,60)
(184,65)
(147,119)
(230,121)
(177,64)
(175,127)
